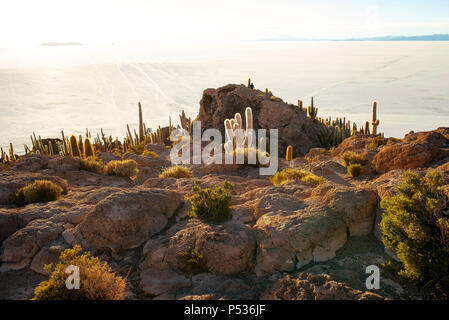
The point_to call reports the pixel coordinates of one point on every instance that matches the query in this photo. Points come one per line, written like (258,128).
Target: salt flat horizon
(49,89)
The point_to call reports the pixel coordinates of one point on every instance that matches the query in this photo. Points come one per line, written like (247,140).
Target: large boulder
(126,219)
(295,128)
(9,223)
(19,249)
(291,239)
(228,248)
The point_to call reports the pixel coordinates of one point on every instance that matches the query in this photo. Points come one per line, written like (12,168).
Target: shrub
(125,168)
(141,150)
(193,260)
(355,170)
(176,172)
(97,281)
(377,142)
(291,174)
(415,228)
(93,164)
(211,205)
(350,157)
(38,191)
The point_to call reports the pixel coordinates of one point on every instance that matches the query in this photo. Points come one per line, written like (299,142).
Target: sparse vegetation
(93,164)
(97,280)
(416,229)
(291,174)
(176,172)
(125,168)
(355,170)
(211,205)
(38,191)
(350,157)
(376,142)
(140,149)
(193,260)
(261,157)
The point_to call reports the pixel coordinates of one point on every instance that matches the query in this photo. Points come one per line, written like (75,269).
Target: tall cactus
(74,147)
(375,121)
(300,105)
(141,131)
(249,82)
(312,110)
(289,153)
(88,148)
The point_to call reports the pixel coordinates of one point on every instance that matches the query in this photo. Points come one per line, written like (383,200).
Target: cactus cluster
(239,139)
(7,158)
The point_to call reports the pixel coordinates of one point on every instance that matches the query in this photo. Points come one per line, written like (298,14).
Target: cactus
(312,110)
(300,105)
(266,92)
(141,132)
(375,121)
(249,82)
(88,149)
(289,153)
(74,147)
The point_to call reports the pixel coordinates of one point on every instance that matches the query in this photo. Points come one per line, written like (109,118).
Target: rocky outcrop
(19,249)
(11,182)
(415,150)
(314,287)
(124,220)
(295,128)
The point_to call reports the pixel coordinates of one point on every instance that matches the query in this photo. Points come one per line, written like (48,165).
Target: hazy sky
(29,22)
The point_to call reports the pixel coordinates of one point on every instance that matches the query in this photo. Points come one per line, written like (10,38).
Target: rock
(19,249)
(358,206)
(291,239)
(415,150)
(160,279)
(87,178)
(228,248)
(126,219)
(48,254)
(64,163)
(107,157)
(314,287)
(31,163)
(9,224)
(11,182)
(295,128)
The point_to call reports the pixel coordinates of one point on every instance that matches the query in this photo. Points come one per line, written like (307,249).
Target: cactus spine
(375,121)
(289,153)
(88,149)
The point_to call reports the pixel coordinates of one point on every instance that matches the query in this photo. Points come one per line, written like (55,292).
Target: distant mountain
(54,44)
(434,37)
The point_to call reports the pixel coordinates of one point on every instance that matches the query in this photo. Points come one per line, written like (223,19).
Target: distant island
(54,44)
(434,37)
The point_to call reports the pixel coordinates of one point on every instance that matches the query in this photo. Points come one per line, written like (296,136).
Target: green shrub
(193,260)
(377,142)
(97,280)
(38,191)
(350,157)
(125,168)
(291,174)
(415,228)
(176,172)
(355,170)
(211,205)
(93,164)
